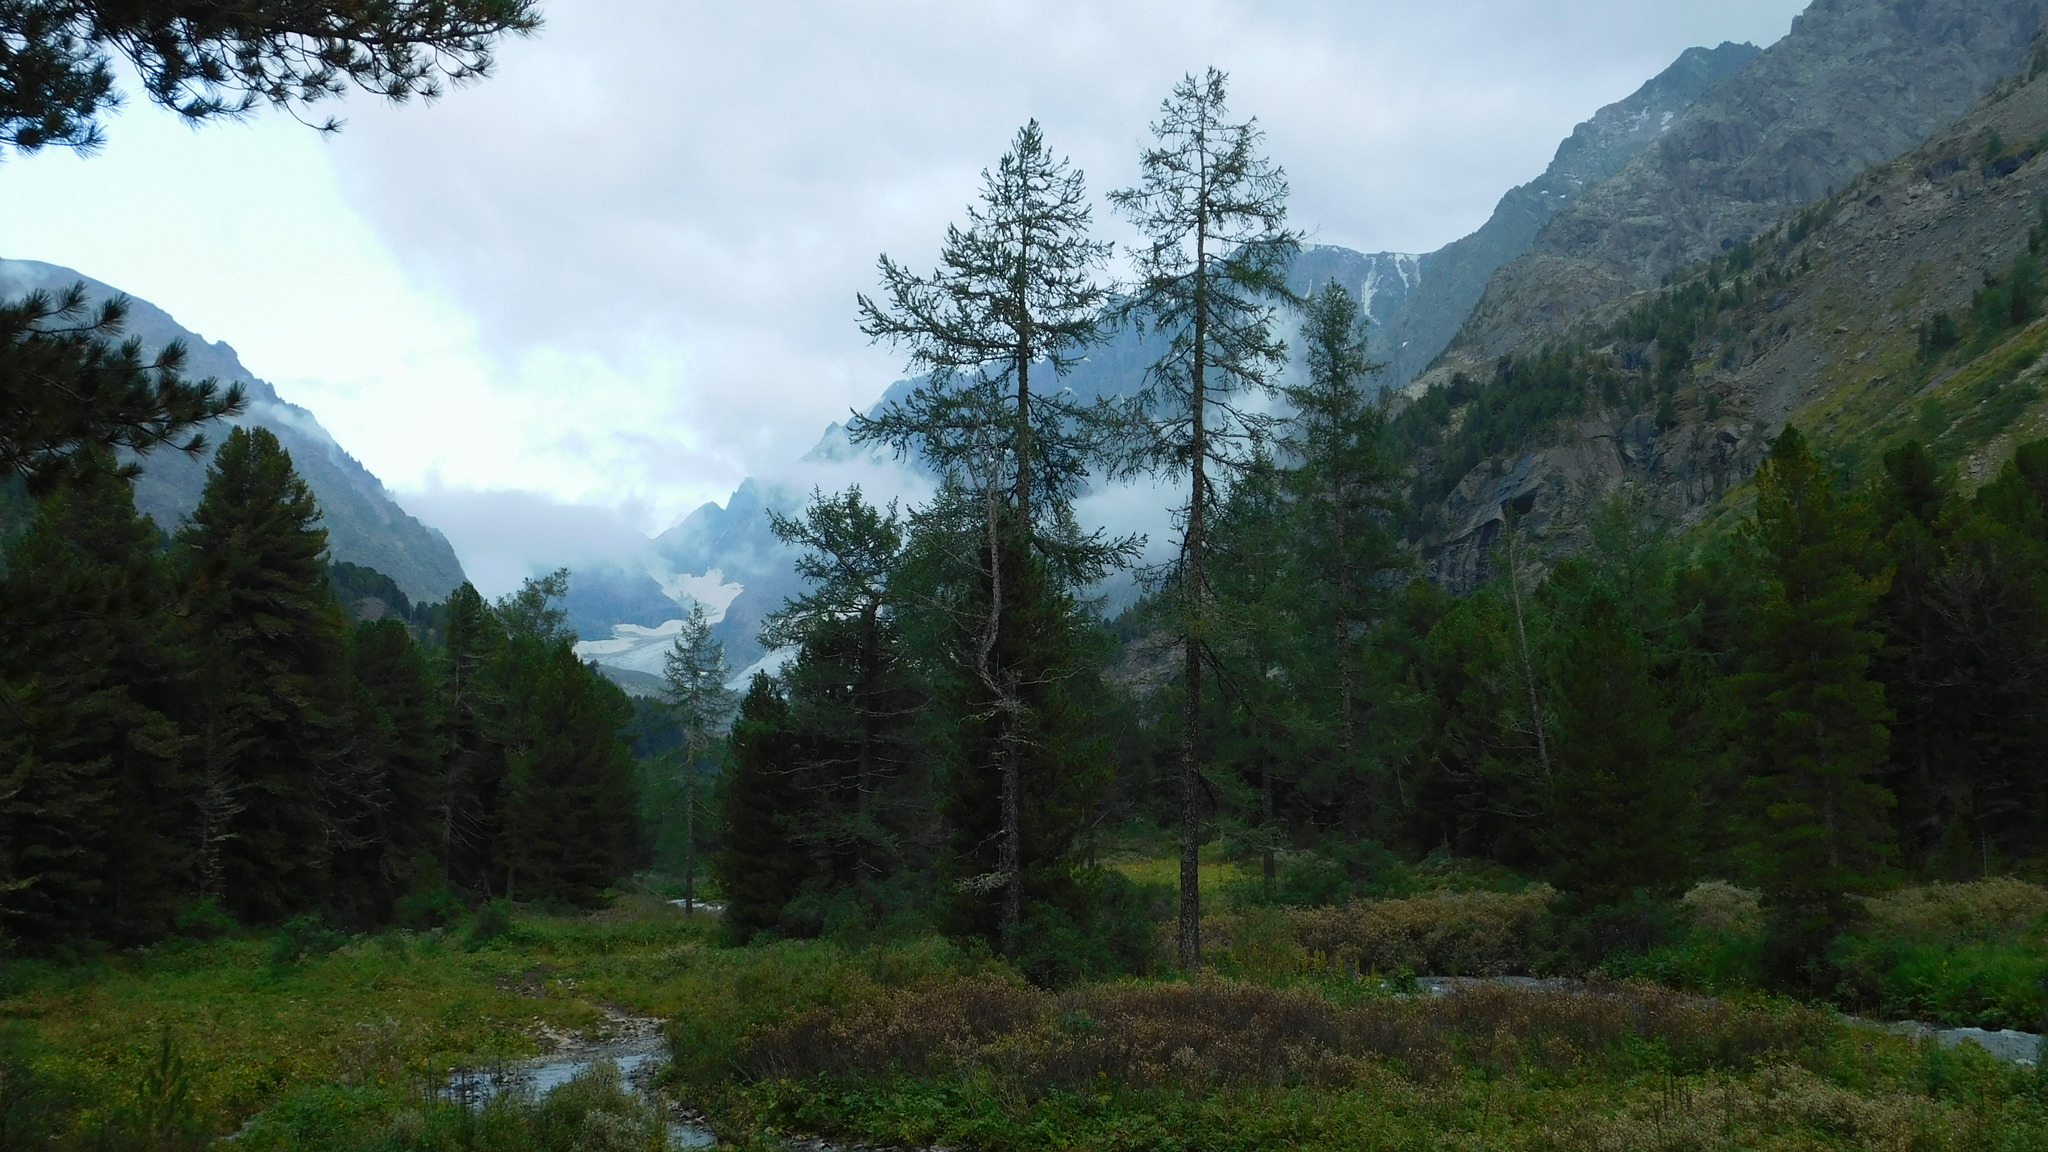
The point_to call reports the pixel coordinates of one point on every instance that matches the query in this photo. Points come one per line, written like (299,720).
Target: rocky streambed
(632,1045)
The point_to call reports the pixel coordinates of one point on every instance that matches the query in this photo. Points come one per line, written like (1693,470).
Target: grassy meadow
(1305,1033)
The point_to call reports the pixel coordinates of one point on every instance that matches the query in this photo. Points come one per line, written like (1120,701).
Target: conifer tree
(1816,717)
(470,792)
(1015,289)
(395,740)
(569,823)
(1619,815)
(1266,658)
(850,694)
(694,673)
(67,391)
(274,804)
(762,810)
(1213,211)
(1965,664)
(1345,488)
(208,59)
(92,787)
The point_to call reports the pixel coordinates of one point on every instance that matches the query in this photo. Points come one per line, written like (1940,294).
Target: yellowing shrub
(1447,934)
(2001,908)
(1719,906)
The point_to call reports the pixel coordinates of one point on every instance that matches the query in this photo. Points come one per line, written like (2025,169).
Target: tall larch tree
(1213,213)
(1016,290)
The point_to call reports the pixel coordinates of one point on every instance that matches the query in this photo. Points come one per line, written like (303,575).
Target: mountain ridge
(1821,320)
(364,524)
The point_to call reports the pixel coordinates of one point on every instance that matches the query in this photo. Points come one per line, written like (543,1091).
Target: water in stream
(637,1057)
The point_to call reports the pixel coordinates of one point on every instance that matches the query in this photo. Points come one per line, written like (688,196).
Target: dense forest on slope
(217,726)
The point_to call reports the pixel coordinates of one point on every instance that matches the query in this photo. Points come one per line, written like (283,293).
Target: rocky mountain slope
(364,526)
(1451,279)
(1855,83)
(1881,312)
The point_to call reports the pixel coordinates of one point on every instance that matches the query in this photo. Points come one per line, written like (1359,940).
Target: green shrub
(491,921)
(1580,936)
(424,910)
(1962,954)
(205,920)
(303,937)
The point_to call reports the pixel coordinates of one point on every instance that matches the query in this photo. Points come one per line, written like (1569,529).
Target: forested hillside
(215,727)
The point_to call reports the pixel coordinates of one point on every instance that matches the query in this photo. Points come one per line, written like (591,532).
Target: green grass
(923,1042)
(395,1011)
(1215,873)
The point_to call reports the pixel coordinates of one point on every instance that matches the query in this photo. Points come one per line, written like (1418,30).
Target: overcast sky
(621,272)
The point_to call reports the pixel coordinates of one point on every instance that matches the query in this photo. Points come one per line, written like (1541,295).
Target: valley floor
(919,1043)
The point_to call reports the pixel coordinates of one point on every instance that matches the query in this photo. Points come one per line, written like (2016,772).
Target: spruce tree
(1965,663)
(570,824)
(1273,731)
(1213,211)
(566,820)
(1619,816)
(694,673)
(395,741)
(762,810)
(1815,716)
(1345,487)
(92,787)
(470,792)
(1016,289)
(276,803)
(849,683)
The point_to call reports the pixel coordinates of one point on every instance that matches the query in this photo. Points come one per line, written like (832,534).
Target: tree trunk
(1011,702)
(864,780)
(1013,828)
(1192,575)
(1267,866)
(690,844)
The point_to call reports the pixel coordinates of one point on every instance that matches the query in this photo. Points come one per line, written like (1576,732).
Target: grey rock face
(1856,83)
(1835,349)
(364,526)
(1453,277)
